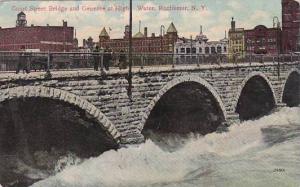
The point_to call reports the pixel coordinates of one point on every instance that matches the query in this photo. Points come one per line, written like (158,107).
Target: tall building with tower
(142,42)
(290,26)
(236,40)
(37,38)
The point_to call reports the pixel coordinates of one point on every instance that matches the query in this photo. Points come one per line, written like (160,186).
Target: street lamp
(129,78)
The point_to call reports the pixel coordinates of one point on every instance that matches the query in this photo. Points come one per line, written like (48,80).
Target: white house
(185,48)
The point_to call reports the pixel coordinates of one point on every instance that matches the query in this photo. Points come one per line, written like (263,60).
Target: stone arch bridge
(105,99)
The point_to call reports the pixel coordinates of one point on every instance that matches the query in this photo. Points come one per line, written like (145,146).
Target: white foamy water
(265,152)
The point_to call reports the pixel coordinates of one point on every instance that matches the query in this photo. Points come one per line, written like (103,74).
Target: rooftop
(172,28)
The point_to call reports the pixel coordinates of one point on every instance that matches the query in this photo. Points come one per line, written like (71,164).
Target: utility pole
(129,78)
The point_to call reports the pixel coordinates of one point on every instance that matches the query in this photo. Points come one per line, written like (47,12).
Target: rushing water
(265,152)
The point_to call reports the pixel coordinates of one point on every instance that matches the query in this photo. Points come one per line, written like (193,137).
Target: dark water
(265,152)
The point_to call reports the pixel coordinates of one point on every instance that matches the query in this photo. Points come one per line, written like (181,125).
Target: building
(290,26)
(89,44)
(141,42)
(236,40)
(189,48)
(37,38)
(263,40)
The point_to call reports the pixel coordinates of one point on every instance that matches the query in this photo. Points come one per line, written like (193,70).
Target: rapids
(263,152)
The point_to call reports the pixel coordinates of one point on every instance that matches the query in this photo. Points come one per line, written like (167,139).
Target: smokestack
(146,32)
(232,24)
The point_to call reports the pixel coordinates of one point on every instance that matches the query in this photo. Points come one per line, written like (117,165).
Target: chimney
(232,24)
(84,42)
(47,25)
(126,32)
(146,32)
(32,25)
(153,35)
(65,23)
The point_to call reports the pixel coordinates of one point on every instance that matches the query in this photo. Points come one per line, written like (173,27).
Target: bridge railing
(55,61)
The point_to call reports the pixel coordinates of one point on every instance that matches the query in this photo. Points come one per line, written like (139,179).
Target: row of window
(207,50)
(234,42)
(269,47)
(237,49)
(138,43)
(262,40)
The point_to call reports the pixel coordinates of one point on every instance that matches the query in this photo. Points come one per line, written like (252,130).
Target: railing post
(173,63)
(278,67)
(48,62)
(101,62)
(250,61)
(48,73)
(142,61)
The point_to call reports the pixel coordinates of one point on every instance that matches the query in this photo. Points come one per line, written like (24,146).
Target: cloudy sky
(214,15)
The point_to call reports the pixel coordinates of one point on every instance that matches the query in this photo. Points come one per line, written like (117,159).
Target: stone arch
(61,95)
(174,83)
(243,84)
(286,79)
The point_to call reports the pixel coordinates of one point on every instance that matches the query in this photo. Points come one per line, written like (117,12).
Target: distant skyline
(214,16)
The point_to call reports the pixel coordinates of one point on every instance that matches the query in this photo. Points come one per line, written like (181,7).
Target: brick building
(38,38)
(290,26)
(141,42)
(263,40)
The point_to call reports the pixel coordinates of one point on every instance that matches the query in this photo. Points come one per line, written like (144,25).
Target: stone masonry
(104,97)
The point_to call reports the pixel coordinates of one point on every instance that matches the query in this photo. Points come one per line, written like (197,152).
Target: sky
(213,15)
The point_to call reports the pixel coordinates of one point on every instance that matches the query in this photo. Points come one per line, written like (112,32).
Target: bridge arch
(246,80)
(64,96)
(287,79)
(145,115)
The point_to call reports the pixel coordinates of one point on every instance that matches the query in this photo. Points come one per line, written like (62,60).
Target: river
(264,152)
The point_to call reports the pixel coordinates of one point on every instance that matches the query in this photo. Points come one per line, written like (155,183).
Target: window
(206,50)
(177,51)
(182,50)
(225,49)
(213,50)
(219,49)
(188,50)
(194,50)
(200,50)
